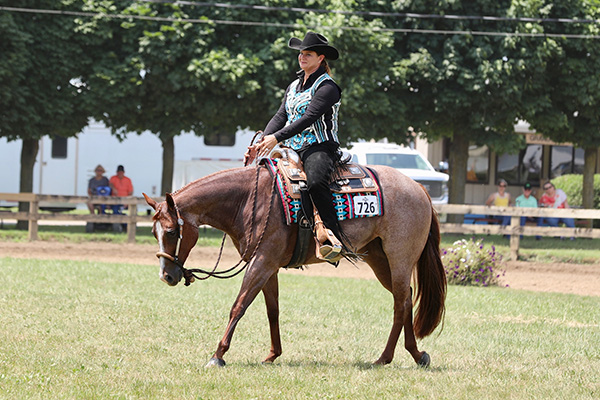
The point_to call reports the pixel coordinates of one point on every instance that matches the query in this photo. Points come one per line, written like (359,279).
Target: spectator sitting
(526,200)
(555,198)
(501,198)
(97,181)
(121,186)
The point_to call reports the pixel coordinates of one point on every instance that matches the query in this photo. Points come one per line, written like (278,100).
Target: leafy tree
(568,107)
(171,76)
(41,61)
(464,87)
(168,76)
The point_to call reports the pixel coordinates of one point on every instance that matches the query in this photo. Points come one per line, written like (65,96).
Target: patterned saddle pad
(355,194)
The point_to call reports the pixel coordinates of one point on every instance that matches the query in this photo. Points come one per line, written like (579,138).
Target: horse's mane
(207,178)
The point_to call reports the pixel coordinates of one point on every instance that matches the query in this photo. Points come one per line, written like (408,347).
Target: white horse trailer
(64,166)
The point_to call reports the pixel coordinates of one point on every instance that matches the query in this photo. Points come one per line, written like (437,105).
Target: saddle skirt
(355,191)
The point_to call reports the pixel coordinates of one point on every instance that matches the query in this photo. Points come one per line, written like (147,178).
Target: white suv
(406,160)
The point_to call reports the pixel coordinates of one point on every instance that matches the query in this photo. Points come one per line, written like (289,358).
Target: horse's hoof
(215,362)
(424,361)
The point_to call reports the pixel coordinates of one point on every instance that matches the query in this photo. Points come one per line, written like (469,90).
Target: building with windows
(538,162)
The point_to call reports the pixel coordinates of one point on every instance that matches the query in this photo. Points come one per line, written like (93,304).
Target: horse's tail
(431,284)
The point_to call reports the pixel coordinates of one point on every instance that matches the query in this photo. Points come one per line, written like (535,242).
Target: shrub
(573,187)
(469,263)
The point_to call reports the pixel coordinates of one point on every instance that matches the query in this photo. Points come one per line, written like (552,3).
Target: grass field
(88,330)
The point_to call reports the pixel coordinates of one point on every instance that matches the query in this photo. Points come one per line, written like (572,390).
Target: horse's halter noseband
(175,258)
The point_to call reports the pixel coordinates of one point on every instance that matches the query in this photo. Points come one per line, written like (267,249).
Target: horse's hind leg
(410,342)
(400,314)
(378,261)
(271,293)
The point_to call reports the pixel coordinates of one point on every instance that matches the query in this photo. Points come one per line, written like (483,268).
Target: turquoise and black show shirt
(308,113)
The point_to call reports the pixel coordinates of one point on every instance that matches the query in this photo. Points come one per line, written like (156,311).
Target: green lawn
(88,330)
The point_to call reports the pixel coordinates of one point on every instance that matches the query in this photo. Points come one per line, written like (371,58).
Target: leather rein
(190,275)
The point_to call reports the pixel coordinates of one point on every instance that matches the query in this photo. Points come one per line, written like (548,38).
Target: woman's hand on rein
(265,146)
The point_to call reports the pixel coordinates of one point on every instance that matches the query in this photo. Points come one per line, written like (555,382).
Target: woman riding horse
(399,245)
(307,122)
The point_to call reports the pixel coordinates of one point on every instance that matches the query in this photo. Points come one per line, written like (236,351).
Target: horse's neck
(218,199)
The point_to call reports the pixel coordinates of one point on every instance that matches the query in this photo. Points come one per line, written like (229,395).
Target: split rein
(190,275)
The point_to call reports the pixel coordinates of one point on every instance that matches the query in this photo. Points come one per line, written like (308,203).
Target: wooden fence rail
(34,215)
(515,230)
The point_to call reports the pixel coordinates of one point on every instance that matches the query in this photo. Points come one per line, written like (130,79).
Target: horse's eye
(172,232)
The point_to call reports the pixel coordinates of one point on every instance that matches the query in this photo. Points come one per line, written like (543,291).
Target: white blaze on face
(159,236)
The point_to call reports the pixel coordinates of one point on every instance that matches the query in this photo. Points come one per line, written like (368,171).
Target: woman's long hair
(326,66)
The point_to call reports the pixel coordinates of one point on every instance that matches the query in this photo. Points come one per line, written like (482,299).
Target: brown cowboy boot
(328,246)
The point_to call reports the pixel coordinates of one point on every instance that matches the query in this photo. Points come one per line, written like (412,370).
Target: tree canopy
(41,92)
(42,60)
(569,102)
(464,87)
(172,67)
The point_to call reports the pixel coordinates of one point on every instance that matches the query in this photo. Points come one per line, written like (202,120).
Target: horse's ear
(170,201)
(150,201)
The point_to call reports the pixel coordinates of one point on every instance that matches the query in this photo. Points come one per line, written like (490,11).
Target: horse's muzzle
(171,275)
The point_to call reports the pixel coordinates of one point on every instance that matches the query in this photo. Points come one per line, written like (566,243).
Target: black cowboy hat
(315,42)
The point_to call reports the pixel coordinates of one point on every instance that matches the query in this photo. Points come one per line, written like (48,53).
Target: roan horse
(241,203)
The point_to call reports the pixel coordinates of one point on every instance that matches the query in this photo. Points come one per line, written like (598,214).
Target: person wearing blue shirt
(96,182)
(526,200)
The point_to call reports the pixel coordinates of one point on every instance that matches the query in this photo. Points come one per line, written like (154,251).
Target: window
(59,147)
(526,166)
(566,160)
(478,164)
(219,139)
(396,160)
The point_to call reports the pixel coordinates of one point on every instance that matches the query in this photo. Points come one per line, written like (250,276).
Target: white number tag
(366,205)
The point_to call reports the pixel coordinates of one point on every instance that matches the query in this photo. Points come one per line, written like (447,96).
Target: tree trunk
(457,168)
(29,153)
(168,163)
(587,194)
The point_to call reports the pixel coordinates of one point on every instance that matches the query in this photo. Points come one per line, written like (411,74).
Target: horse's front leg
(271,293)
(255,279)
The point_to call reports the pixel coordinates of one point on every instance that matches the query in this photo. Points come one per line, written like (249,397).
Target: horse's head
(176,236)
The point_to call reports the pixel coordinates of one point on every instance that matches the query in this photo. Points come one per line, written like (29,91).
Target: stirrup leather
(328,246)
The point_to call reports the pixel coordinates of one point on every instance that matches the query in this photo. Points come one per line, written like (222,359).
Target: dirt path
(562,278)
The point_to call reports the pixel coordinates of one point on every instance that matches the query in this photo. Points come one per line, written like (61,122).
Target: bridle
(174,259)
(190,274)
